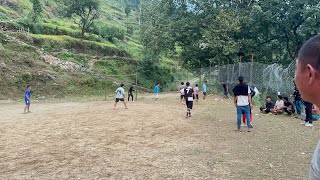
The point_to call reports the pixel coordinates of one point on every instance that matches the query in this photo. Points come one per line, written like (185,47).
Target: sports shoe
(242,125)
(304,123)
(309,125)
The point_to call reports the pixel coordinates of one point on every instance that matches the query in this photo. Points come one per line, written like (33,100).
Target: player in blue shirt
(27,99)
(156,92)
(204,90)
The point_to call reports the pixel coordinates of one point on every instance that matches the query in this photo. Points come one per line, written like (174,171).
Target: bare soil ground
(89,140)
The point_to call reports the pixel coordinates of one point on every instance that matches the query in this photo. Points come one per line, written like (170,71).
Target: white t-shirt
(182,87)
(314,173)
(196,90)
(279,104)
(243,100)
(120,93)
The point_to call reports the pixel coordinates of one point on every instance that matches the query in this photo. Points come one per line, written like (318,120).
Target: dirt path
(149,141)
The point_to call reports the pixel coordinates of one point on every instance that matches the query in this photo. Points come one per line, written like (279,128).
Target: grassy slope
(58,36)
(22,54)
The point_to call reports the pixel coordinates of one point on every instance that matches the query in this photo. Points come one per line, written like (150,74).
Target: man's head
(205,82)
(268,99)
(307,76)
(182,83)
(197,85)
(279,97)
(241,79)
(188,84)
(158,84)
(121,85)
(28,87)
(285,99)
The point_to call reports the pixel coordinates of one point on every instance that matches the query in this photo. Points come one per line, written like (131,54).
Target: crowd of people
(284,106)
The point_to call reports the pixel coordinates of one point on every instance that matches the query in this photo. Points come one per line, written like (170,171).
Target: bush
(108,31)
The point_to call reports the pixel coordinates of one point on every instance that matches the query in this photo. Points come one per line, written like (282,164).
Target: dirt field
(89,140)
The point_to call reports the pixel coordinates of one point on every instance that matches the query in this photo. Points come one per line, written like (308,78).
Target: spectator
(269,106)
(297,99)
(288,106)
(278,106)
(315,112)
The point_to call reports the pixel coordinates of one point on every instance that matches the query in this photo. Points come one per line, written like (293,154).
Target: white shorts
(156,95)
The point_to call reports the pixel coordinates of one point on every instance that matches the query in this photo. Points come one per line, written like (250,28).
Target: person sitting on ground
(315,112)
(269,106)
(288,106)
(278,106)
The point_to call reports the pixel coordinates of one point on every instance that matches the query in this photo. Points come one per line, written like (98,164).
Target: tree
(37,10)
(84,12)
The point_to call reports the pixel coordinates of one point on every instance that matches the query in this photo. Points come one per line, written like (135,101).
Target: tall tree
(84,12)
(37,10)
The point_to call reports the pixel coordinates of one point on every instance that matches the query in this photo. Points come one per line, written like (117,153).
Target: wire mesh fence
(268,78)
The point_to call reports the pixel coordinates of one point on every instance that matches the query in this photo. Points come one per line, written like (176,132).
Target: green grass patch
(75,58)
(56,42)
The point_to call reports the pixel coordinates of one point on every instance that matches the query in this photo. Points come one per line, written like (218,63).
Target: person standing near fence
(130,93)
(307,78)
(308,110)
(242,101)
(156,92)
(225,90)
(204,90)
(297,99)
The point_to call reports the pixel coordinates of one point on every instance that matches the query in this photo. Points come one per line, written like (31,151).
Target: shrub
(108,31)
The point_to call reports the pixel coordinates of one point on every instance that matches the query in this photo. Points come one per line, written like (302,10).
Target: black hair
(286,98)
(28,86)
(241,79)
(205,81)
(268,97)
(188,84)
(280,97)
(197,85)
(182,83)
(310,52)
(121,84)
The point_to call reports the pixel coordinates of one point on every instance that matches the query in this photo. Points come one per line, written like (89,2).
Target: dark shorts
(225,93)
(189,104)
(119,99)
(204,93)
(27,102)
(196,96)
(181,96)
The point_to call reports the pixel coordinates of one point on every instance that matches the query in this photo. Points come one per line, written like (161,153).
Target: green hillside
(48,53)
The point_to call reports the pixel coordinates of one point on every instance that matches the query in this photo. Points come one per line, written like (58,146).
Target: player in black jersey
(189,96)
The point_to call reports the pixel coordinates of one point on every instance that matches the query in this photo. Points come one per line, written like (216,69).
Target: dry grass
(149,141)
